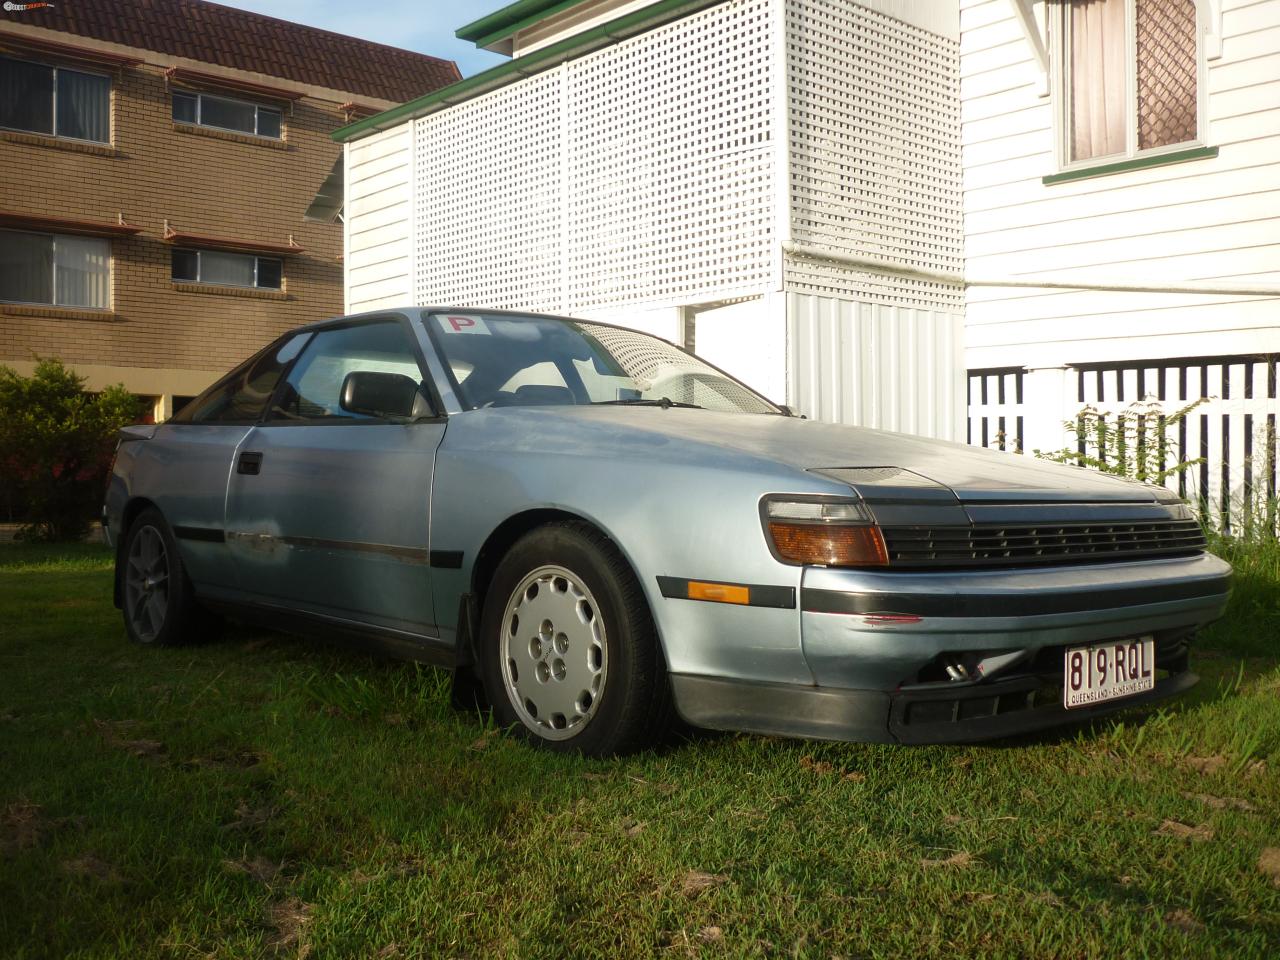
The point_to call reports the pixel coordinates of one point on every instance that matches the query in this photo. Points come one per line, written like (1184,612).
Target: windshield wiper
(666,403)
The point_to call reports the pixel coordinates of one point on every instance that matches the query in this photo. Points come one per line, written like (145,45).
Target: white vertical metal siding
(749,341)
(872,365)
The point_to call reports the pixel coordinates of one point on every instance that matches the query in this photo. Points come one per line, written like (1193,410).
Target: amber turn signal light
(830,545)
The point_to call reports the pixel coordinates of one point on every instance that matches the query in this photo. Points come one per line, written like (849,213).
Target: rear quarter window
(242,395)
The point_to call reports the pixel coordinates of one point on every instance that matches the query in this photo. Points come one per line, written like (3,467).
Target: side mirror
(389,396)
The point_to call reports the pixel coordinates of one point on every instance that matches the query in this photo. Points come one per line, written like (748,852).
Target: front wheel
(159,605)
(570,654)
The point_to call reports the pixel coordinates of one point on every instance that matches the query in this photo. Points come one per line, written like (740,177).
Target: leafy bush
(1134,444)
(56,443)
(1140,443)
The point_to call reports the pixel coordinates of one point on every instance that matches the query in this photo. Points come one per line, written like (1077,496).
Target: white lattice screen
(641,173)
(672,159)
(875,152)
(487,199)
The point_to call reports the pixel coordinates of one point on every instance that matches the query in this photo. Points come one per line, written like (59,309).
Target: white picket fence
(996,409)
(1231,432)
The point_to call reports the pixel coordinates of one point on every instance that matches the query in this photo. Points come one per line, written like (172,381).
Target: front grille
(1001,545)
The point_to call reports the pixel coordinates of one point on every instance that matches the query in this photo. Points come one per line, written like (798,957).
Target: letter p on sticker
(462,323)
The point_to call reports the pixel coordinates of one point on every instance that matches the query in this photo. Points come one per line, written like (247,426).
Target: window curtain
(84,104)
(26,267)
(234,269)
(226,114)
(81,272)
(26,96)
(1096,34)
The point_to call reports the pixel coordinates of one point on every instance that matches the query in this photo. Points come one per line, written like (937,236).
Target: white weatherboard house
(1122,223)
(961,219)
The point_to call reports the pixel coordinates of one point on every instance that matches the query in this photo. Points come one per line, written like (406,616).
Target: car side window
(313,389)
(241,396)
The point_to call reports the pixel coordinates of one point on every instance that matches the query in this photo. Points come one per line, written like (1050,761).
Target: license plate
(1108,671)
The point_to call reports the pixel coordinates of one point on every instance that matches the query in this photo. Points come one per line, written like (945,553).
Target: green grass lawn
(268,796)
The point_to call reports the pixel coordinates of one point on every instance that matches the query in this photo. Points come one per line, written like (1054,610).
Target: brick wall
(202,183)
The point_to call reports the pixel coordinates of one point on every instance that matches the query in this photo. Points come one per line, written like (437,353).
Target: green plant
(1134,444)
(55,446)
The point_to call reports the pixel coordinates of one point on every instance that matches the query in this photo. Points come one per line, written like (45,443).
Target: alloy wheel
(146,583)
(554,653)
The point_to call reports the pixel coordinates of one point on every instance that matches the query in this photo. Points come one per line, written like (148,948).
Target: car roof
(412,310)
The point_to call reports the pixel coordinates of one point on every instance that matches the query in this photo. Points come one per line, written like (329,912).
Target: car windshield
(506,360)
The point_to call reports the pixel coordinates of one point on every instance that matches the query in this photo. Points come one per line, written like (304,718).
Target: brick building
(159,160)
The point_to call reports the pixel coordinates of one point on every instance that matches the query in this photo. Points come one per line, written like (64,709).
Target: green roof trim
(502,33)
(607,34)
(502,20)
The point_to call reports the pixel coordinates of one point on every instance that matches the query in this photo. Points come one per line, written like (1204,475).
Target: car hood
(852,454)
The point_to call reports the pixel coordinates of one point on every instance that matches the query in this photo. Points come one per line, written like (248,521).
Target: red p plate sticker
(461,323)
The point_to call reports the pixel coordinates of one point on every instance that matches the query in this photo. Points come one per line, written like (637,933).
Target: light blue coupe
(609,532)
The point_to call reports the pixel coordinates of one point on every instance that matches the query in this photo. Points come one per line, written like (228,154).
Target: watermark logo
(23,7)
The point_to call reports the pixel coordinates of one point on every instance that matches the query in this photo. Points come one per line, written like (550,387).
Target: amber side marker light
(719,592)
(825,533)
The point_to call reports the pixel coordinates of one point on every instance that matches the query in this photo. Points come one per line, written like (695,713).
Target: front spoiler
(950,713)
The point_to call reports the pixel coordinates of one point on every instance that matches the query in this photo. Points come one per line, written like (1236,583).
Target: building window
(227,269)
(58,271)
(222,113)
(1131,77)
(38,98)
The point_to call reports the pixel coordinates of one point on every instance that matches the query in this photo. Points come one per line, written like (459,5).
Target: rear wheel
(159,604)
(570,654)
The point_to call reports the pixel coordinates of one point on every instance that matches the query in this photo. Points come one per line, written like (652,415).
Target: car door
(328,510)
(185,466)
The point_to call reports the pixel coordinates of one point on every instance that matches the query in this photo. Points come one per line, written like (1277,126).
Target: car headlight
(823,531)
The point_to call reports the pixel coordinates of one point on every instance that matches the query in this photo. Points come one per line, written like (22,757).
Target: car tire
(565,622)
(158,601)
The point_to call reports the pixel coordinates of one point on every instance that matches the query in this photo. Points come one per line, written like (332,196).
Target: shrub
(1140,443)
(1134,444)
(56,443)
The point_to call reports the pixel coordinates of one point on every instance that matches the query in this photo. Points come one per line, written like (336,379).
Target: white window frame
(257,258)
(199,120)
(111,91)
(1060,28)
(53,274)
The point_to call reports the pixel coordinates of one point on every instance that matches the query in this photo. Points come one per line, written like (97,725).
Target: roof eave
(508,15)
(503,39)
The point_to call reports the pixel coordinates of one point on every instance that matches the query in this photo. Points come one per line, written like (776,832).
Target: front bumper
(879,644)
(984,711)
(997,615)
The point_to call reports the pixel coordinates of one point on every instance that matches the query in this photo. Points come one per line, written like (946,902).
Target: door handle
(250,464)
